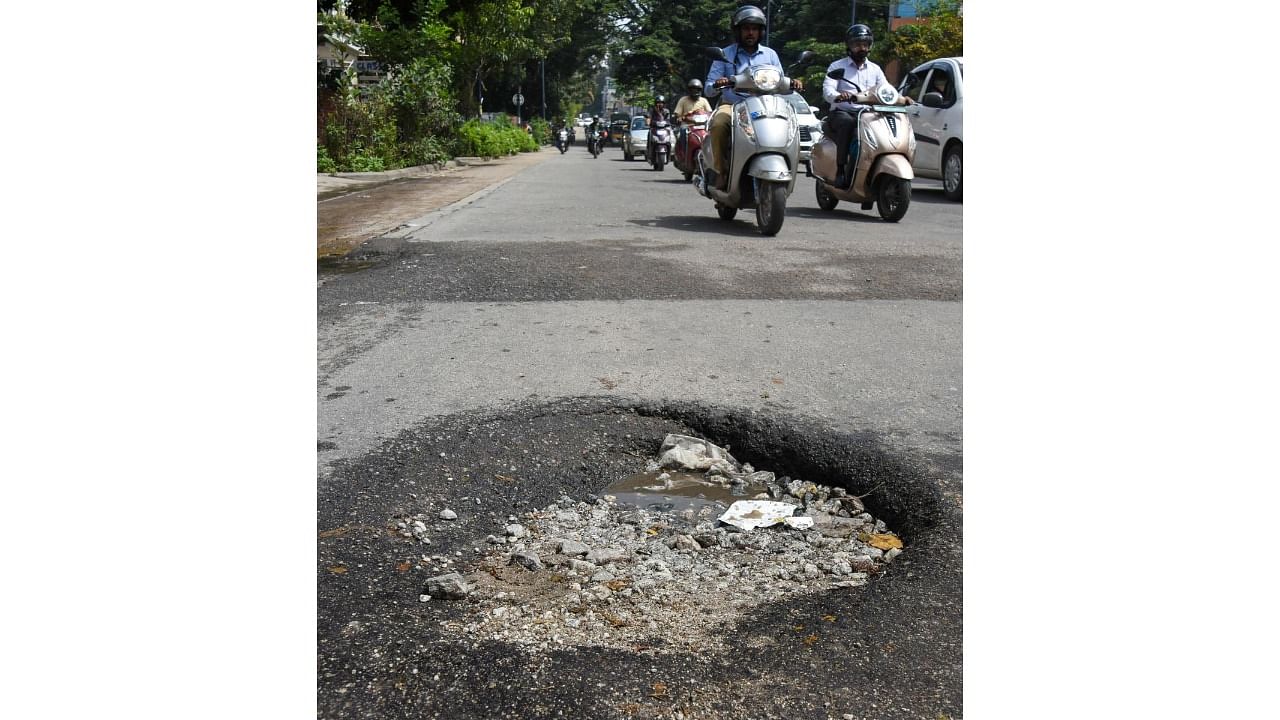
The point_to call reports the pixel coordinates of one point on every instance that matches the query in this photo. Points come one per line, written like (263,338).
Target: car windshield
(798,102)
(639,124)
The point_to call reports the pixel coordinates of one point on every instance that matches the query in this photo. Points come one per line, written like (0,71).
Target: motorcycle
(562,140)
(764,147)
(881,162)
(595,141)
(685,157)
(659,145)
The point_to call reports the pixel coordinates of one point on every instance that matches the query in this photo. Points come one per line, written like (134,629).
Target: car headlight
(870,138)
(888,95)
(766,78)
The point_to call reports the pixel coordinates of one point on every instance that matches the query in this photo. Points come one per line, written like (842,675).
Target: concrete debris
(453,586)
(448,514)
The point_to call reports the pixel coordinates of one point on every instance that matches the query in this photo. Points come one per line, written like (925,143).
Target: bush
(366,163)
(493,139)
(324,163)
(541,131)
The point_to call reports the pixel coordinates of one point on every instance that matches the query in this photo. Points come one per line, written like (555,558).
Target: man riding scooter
(748,25)
(859,75)
(658,112)
(688,106)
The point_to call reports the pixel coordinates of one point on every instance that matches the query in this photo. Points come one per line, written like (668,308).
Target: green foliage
(541,131)
(493,139)
(324,163)
(941,36)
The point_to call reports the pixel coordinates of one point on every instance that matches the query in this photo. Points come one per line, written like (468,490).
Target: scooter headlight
(766,78)
(888,95)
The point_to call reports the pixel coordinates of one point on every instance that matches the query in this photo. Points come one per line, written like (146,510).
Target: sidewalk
(330,185)
(352,208)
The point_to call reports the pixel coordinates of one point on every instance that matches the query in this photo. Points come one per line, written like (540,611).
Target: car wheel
(952,177)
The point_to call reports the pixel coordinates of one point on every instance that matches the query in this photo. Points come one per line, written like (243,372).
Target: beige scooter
(882,168)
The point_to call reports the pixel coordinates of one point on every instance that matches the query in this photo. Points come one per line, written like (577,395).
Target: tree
(940,35)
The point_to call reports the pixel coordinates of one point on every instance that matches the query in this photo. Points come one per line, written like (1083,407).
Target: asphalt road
(582,308)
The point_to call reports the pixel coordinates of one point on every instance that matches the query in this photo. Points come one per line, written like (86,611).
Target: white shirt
(866,77)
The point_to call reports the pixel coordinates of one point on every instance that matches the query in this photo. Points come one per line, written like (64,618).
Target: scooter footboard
(895,165)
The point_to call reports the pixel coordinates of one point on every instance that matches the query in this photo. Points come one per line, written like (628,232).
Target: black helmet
(694,83)
(661,99)
(748,14)
(857,32)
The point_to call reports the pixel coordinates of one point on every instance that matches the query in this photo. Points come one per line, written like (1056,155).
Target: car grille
(805,135)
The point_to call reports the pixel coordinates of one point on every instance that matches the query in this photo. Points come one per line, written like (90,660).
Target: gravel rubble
(615,575)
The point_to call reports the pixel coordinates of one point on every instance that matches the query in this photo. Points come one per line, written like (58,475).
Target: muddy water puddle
(677,491)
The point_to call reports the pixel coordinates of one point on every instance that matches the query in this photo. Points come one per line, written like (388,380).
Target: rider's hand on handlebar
(721,82)
(844,97)
(797,84)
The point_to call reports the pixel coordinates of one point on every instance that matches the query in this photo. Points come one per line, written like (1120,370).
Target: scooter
(595,138)
(685,158)
(764,149)
(881,161)
(562,140)
(659,145)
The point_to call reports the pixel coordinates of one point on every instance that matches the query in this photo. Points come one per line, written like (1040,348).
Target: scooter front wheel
(894,198)
(826,200)
(771,208)
(726,212)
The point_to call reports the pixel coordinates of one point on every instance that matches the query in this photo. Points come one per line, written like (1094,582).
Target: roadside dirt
(369,210)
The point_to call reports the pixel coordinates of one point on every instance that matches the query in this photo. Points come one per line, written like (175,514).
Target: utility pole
(768,15)
(853,11)
(542,68)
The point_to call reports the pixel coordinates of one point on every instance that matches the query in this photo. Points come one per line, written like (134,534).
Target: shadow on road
(839,213)
(930,195)
(708,223)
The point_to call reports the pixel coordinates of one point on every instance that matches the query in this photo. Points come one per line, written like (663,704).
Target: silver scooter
(764,148)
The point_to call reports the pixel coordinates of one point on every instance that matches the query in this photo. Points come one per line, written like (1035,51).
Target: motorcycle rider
(688,106)
(657,112)
(593,130)
(859,71)
(748,24)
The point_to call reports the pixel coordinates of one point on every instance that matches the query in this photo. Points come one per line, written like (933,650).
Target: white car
(809,125)
(937,119)
(636,140)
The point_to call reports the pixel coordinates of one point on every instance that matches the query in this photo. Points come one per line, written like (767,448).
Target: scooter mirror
(715,53)
(806,58)
(836,74)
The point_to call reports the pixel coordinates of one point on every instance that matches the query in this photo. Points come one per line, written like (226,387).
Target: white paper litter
(751,514)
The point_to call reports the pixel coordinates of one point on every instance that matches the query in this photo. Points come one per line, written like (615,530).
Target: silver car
(635,140)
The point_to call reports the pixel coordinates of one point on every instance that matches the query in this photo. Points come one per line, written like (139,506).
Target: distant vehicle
(938,121)
(619,123)
(636,138)
(810,127)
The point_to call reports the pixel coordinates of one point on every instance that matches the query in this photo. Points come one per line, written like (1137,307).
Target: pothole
(657,562)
